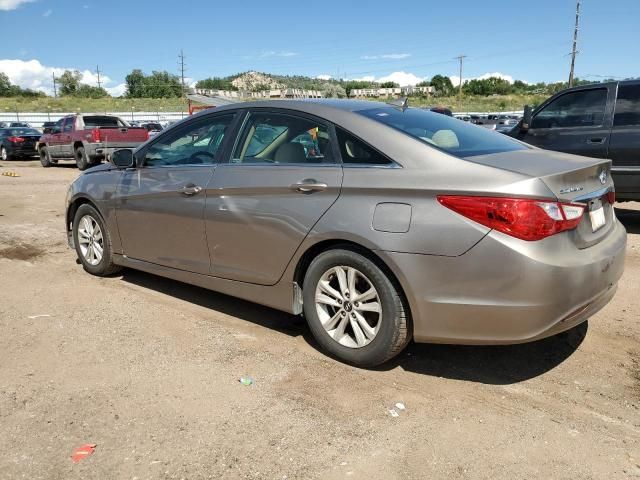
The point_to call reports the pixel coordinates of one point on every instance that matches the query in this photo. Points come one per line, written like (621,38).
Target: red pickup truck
(88,139)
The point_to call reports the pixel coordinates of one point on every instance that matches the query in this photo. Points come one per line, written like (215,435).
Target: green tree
(356,84)
(487,86)
(330,90)
(389,85)
(423,83)
(216,83)
(69,82)
(157,85)
(442,85)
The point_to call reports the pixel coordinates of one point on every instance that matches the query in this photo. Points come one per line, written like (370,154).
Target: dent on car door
(281,178)
(576,122)
(160,204)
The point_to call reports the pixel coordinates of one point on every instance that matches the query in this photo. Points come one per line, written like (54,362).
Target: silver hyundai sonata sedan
(379,223)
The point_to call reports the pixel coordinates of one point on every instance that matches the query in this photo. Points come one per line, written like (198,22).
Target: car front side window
(584,108)
(194,144)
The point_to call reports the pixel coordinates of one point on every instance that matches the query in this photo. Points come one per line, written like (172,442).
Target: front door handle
(308,186)
(596,141)
(191,189)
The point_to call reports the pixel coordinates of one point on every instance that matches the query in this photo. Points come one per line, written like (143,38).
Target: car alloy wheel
(90,240)
(348,306)
(4,154)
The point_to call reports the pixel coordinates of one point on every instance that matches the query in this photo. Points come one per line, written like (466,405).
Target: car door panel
(256,217)
(624,149)
(262,203)
(159,222)
(160,205)
(578,122)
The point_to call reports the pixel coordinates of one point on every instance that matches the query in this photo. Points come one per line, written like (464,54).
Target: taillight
(611,197)
(519,217)
(95,135)
(16,139)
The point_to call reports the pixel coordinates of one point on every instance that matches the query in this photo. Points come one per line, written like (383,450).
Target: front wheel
(92,242)
(4,155)
(354,310)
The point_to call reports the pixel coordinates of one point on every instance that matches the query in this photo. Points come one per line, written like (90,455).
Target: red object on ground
(83,452)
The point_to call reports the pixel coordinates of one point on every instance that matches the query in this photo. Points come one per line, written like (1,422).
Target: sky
(376,40)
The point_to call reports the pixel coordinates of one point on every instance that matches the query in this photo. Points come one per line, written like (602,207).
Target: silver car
(379,223)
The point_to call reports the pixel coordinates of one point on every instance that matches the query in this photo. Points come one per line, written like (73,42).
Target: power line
(575,44)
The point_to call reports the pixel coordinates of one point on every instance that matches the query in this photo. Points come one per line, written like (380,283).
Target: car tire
(386,331)
(45,158)
(4,155)
(93,242)
(82,160)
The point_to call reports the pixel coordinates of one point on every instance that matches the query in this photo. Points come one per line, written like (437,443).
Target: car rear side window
(449,134)
(627,106)
(100,121)
(356,152)
(273,137)
(583,108)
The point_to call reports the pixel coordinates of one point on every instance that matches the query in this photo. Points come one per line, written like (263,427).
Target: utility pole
(98,73)
(460,58)
(575,44)
(55,90)
(181,59)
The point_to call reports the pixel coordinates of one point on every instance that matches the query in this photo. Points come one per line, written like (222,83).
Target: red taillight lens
(95,135)
(611,197)
(16,139)
(519,217)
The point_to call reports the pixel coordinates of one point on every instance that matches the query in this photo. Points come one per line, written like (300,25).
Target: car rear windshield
(92,122)
(446,133)
(16,132)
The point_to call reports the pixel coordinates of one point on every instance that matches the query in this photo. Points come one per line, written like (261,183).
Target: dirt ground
(147,368)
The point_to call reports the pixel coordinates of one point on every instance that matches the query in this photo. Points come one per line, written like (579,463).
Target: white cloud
(402,78)
(324,76)
(386,56)
(455,80)
(47,13)
(32,74)
(273,53)
(12,4)
(118,90)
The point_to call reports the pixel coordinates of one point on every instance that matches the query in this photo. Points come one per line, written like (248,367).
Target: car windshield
(15,132)
(91,122)
(446,133)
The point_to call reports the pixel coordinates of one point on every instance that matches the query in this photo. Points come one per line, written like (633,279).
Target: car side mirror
(527,117)
(123,158)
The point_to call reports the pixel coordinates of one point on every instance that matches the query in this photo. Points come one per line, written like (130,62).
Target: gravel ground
(147,368)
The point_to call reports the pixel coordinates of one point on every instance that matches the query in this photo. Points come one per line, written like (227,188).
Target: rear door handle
(191,189)
(308,186)
(596,140)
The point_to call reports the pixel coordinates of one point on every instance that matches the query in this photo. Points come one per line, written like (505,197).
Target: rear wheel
(92,242)
(45,158)
(354,310)
(4,155)
(82,160)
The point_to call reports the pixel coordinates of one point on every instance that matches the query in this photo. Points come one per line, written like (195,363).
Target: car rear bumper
(22,151)
(506,290)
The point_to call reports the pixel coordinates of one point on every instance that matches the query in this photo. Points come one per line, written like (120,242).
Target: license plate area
(596,215)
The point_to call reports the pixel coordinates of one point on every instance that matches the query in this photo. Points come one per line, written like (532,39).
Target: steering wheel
(204,153)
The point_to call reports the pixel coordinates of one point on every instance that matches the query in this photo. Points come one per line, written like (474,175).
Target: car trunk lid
(570,178)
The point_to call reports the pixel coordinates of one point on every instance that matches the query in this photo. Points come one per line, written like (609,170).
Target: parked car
(402,224)
(47,126)
(88,139)
(152,127)
(19,125)
(600,120)
(18,142)
(505,125)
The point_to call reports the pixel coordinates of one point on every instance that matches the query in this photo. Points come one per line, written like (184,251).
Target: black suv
(600,120)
